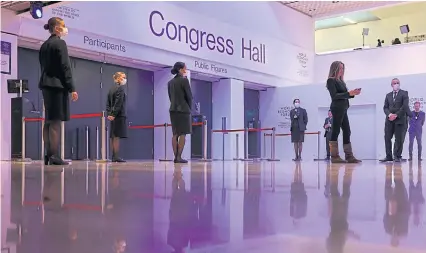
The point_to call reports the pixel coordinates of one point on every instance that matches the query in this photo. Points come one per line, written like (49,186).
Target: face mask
(296,105)
(123,82)
(395,87)
(64,32)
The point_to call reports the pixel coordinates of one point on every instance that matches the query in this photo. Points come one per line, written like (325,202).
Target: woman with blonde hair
(339,108)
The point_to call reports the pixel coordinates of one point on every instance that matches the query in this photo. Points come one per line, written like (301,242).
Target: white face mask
(64,32)
(297,105)
(395,87)
(123,82)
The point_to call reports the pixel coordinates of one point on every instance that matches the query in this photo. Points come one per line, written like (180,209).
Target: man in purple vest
(415,130)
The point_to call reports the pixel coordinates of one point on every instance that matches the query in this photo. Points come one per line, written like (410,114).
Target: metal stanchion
(237,154)
(165,145)
(103,139)
(263,158)
(246,156)
(42,127)
(273,146)
(63,140)
(97,143)
(223,138)
(87,143)
(23,140)
(107,143)
(318,146)
(205,134)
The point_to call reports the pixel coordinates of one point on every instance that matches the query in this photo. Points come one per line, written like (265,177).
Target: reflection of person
(299,120)
(181,214)
(397,214)
(56,82)
(298,196)
(327,127)
(339,108)
(395,108)
(116,111)
(416,197)
(338,211)
(417,121)
(180,96)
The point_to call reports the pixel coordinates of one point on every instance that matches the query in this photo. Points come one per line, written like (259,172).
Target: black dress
(116,107)
(180,96)
(56,80)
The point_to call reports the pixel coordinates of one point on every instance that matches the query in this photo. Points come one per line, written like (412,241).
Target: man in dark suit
(327,127)
(299,120)
(116,111)
(395,108)
(417,120)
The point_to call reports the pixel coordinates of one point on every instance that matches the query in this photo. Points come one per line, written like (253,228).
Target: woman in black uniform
(180,96)
(339,108)
(56,82)
(116,111)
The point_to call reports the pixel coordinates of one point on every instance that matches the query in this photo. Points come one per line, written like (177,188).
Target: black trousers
(404,133)
(391,129)
(340,120)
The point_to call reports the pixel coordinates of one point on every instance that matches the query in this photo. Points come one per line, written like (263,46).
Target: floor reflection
(304,207)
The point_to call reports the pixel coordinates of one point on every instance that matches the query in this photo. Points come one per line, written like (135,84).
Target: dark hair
(296,99)
(52,23)
(178,66)
(417,102)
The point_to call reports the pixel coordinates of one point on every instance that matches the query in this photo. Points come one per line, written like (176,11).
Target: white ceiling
(321,9)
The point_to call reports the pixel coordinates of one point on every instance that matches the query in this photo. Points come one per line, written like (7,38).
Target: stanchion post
(205,133)
(246,156)
(237,154)
(23,140)
(97,143)
(223,137)
(273,144)
(62,140)
(264,148)
(165,145)
(107,143)
(87,143)
(318,146)
(42,127)
(103,139)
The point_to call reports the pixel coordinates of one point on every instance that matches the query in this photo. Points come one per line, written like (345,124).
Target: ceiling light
(349,20)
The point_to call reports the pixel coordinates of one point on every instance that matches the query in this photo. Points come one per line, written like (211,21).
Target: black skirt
(181,123)
(297,136)
(118,127)
(56,104)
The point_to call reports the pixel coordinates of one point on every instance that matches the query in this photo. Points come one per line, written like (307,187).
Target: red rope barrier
(290,134)
(33,119)
(242,130)
(86,115)
(146,127)
(160,125)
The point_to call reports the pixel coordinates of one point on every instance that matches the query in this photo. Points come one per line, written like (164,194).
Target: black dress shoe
(118,160)
(46,160)
(54,160)
(180,161)
(387,159)
(397,160)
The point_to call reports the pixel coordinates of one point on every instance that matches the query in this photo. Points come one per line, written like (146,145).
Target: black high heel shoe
(53,160)
(46,160)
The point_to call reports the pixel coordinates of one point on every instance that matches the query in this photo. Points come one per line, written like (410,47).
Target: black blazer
(302,118)
(339,93)
(180,95)
(116,101)
(399,106)
(55,65)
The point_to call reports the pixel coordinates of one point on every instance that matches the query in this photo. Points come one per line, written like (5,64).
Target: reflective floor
(143,207)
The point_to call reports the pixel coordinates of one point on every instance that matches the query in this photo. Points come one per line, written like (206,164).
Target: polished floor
(217,207)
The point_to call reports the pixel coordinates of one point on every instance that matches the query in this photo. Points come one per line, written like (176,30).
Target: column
(161,116)
(228,101)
